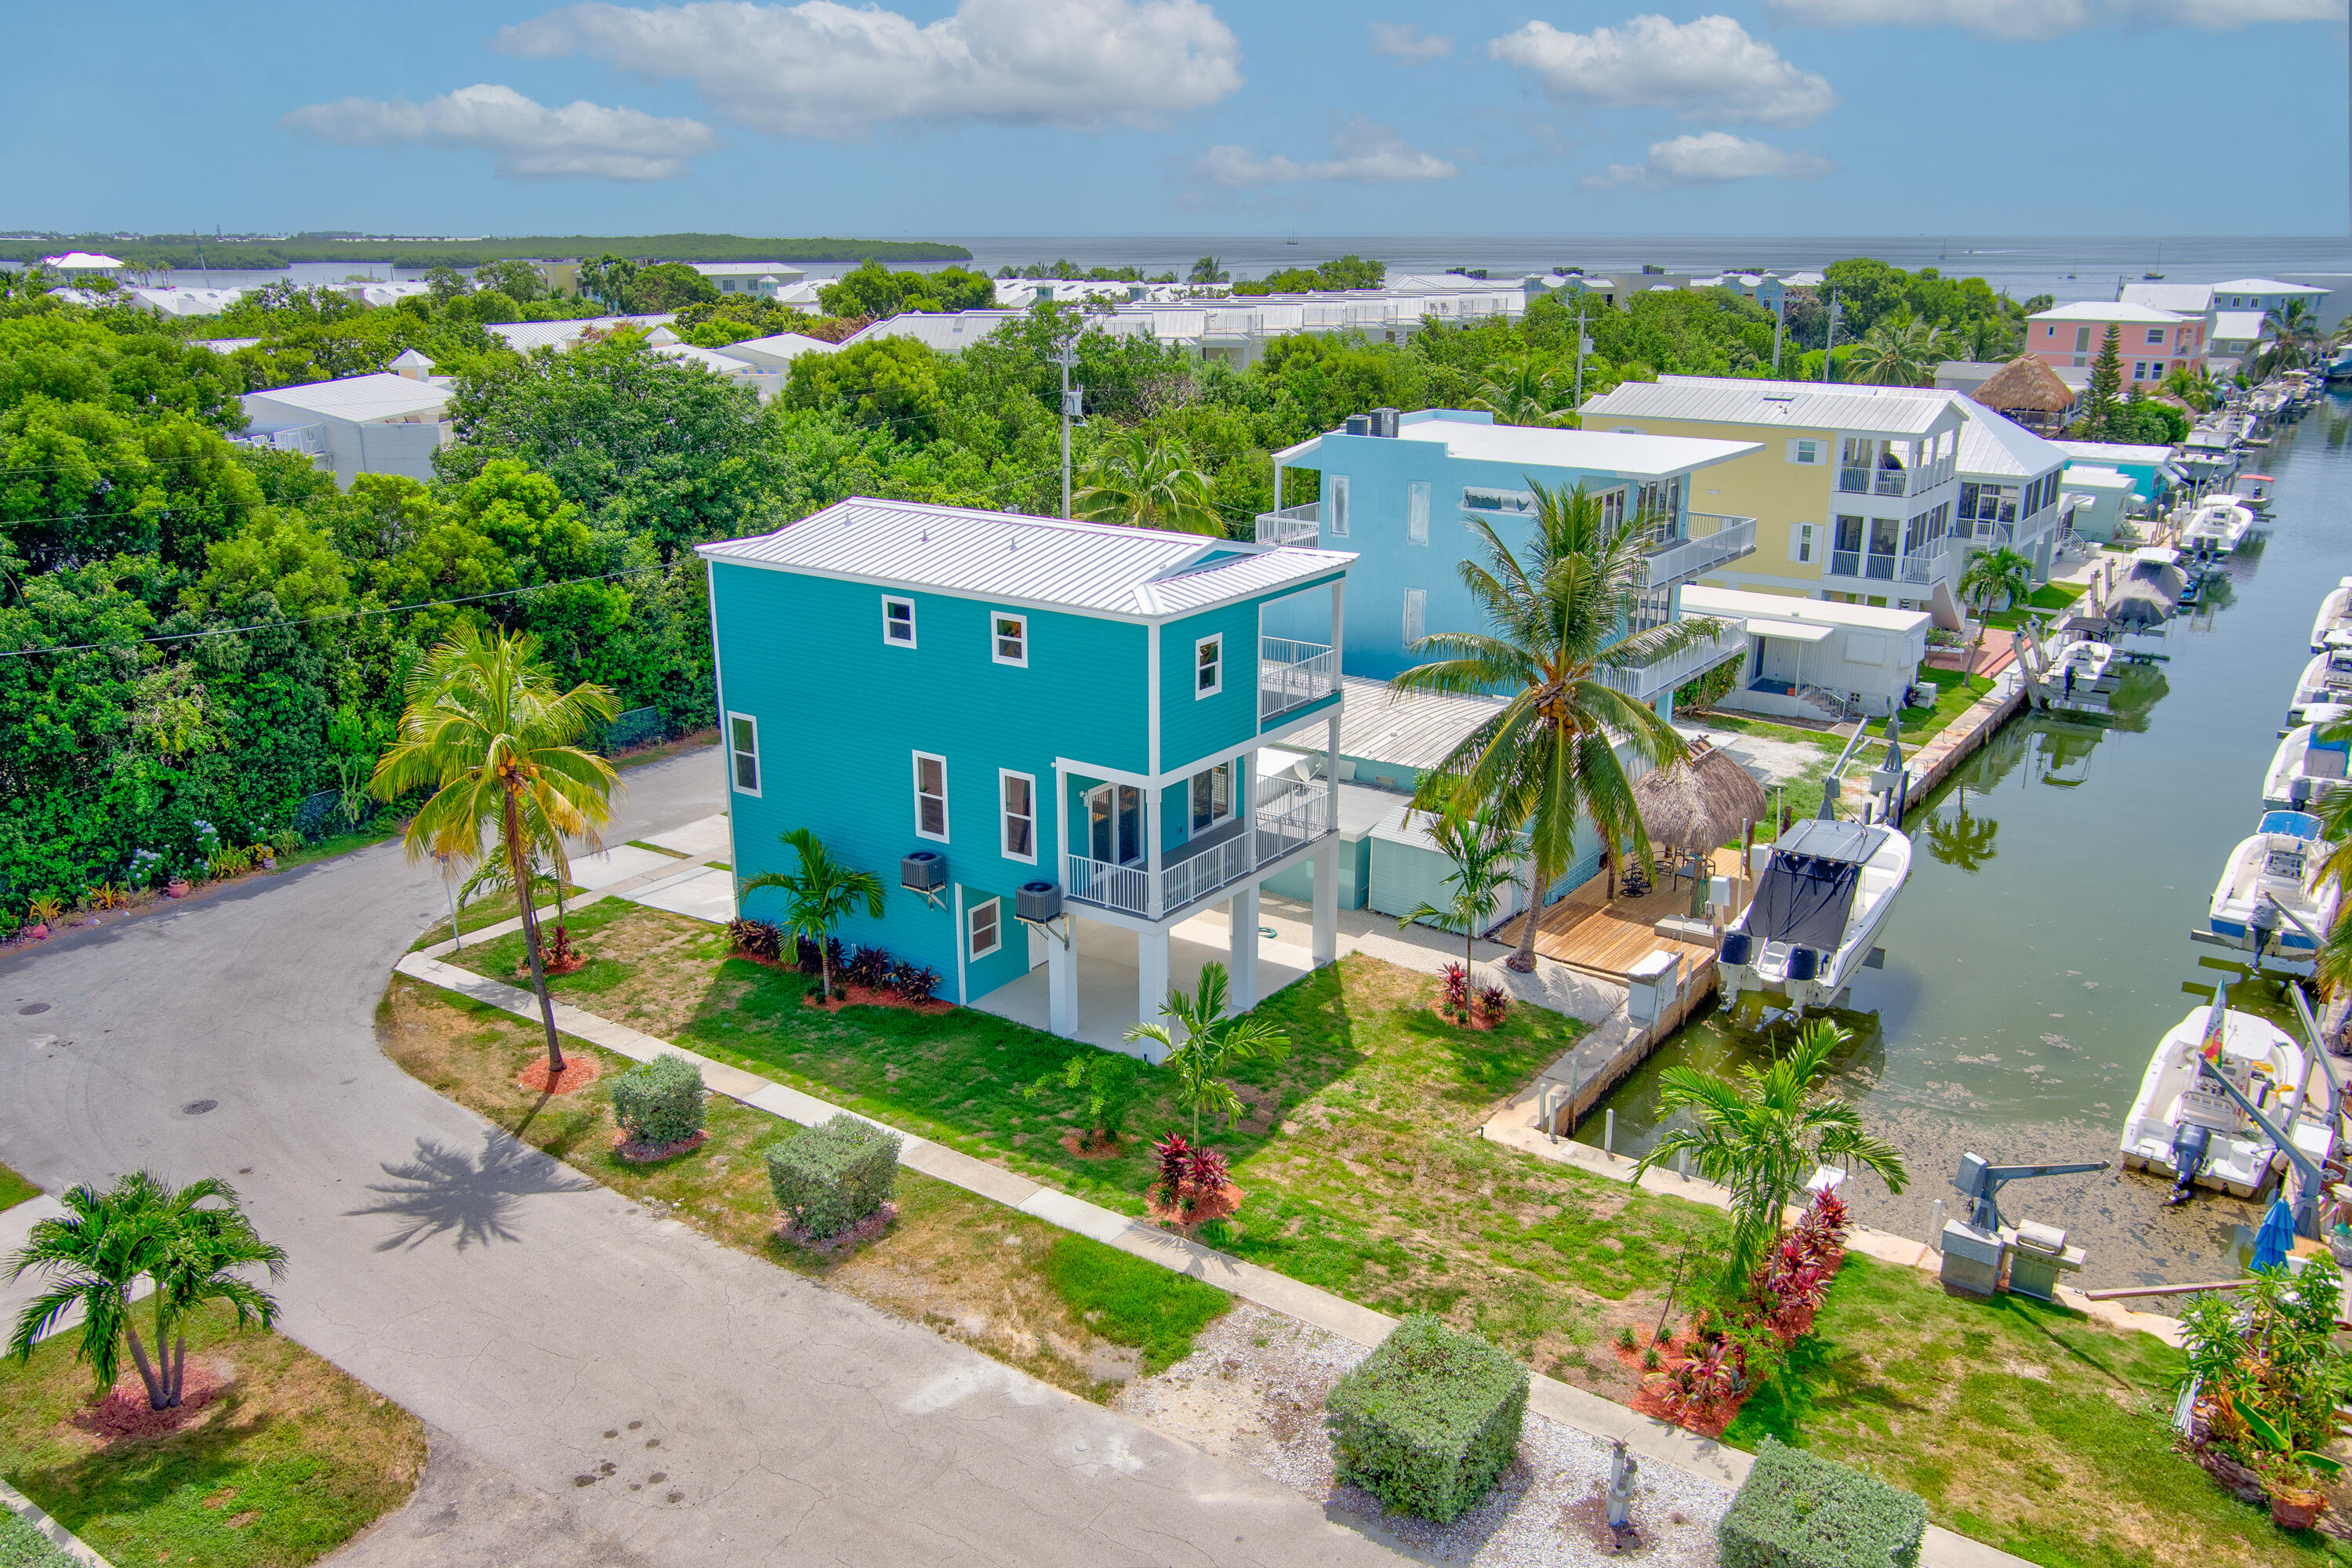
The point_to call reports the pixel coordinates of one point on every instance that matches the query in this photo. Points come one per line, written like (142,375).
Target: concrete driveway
(605,1386)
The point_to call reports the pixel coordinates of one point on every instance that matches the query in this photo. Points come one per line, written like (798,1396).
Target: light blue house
(1395,489)
(1054,740)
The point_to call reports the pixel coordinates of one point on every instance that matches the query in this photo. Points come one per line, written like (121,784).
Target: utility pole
(1583,344)
(1829,348)
(1071,398)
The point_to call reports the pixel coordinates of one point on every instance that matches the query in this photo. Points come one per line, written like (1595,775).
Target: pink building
(2154,343)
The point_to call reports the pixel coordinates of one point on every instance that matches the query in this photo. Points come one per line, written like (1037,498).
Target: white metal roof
(358,398)
(1789,631)
(1990,441)
(1605,450)
(83,261)
(1415,730)
(1738,605)
(2113,452)
(780,271)
(2264,286)
(524,336)
(2187,298)
(1794,405)
(779,349)
(2247,324)
(2099,478)
(710,360)
(1094,567)
(2108,310)
(412,360)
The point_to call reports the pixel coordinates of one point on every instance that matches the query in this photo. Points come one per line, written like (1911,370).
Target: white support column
(1154,894)
(1150,978)
(1327,901)
(1242,944)
(1061,979)
(1331,772)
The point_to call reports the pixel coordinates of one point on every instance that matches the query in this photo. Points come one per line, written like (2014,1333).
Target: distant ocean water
(2086,268)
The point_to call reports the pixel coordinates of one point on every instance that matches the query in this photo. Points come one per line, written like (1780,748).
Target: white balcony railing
(1928,565)
(1644,682)
(1289,815)
(1708,540)
(1300,525)
(1292,675)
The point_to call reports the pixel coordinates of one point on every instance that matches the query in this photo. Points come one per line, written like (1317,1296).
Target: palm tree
(2292,337)
(1481,846)
(1998,574)
(1763,1136)
(2194,387)
(1898,353)
(1141,482)
(142,1225)
(1524,390)
(818,897)
(1211,1041)
(486,731)
(1548,758)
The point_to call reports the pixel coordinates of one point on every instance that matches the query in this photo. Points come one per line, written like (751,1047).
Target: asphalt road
(525,1312)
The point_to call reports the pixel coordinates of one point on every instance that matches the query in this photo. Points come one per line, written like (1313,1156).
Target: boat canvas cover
(1806,893)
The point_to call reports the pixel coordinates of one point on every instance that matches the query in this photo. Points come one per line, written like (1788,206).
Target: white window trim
(1416,511)
(1802,544)
(1200,691)
(734,777)
(888,600)
(996,928)
(915,778)
(1336,522)
(1797,445)
(1004,816)
(995,651)
(1415,607)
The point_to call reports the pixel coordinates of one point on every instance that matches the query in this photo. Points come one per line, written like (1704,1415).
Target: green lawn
(1955,695)
(2024,1425)
(15,1189)
(293,1461)
(490,912)
(1717,718)
(2051,598)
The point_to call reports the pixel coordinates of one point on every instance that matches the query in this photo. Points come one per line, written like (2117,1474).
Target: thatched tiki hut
(1699,804)
(2029,392)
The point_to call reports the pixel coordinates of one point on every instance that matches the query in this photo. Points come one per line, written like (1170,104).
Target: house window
(1020,816)
(987,928)
(930,796)
(2155,334)
(1805,451)
(1800,542)
(2140,370)
(1212,796)
(2082,340)
(899,621)
(743,747)
(1416,511)
(1337,523)
(1416,616)
(1009,638)
(1209,667)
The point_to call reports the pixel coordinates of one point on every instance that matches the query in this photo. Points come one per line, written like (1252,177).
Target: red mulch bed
(1655,1399)
(580,1070)
(1225,1201)
(856,1236)
(1083,1146)
(122,1417)
(646,1153)
(876,996)
(1480,1019)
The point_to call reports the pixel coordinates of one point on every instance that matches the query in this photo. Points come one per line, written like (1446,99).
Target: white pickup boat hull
(2240,1159)
(1822,878)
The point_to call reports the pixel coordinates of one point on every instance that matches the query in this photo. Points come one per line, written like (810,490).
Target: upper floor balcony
(1647,681)
(1292,675)
(1301,524)
(1705,541)
(1286,816)
(1890,480)
(1933,563)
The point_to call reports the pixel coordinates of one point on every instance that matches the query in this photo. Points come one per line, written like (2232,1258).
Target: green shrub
(659,1101)
(1802,1510)
(1428,1420)
(1131,1300)
(834,1174)
(22,1546)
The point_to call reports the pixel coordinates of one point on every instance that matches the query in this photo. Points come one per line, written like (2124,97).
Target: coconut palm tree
(1144,482)
(188,1241)
(1999,573)
(2194,387)
(2292,338)
(1524,390)
(1212,1044)
(488,731)
(818,897)
(1898,353)
(1762,1135)
(1481,846)
(1548,758)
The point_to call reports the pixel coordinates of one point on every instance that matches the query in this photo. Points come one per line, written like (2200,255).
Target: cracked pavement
(602,1386)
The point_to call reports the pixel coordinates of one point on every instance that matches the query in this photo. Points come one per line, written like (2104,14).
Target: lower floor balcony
(1287,818)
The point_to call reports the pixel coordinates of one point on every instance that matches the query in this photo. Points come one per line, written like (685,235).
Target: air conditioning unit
(924,872)
(1038,902)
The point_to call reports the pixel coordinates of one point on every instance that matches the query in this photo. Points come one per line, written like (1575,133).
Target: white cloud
(1709,67)
(2037,20)
(1714,158)
(824,69)
(532,141)
(1409,43)
(1362,151)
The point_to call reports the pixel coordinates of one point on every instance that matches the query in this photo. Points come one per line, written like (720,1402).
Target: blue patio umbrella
(2276,1239)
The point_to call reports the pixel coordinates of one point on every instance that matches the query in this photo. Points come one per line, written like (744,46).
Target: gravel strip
(1252,1389)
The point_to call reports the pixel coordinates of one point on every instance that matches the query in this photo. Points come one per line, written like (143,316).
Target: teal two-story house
(1053,740)
(1395,489)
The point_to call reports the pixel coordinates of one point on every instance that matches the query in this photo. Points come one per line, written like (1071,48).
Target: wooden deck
(1589,932)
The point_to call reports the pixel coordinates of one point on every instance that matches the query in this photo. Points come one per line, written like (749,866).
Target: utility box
(2038,1254)
(1653,986)
(1972,1258)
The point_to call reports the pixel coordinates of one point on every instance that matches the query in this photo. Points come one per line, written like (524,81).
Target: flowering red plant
(1175,1157)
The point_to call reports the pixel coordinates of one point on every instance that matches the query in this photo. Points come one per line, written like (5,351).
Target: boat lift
(1974,1248)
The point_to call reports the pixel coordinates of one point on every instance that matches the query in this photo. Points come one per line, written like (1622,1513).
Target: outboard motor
(1738,947)
(1804,964)
(2192,1145)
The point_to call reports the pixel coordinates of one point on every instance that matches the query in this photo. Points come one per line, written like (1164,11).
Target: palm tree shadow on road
(445,1190)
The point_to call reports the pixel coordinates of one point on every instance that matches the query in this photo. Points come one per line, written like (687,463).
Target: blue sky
(1174,116)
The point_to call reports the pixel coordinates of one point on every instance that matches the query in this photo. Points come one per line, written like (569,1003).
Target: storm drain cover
(198,1107)
(29,1008)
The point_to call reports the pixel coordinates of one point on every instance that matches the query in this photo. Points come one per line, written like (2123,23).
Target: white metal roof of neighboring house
(2187,298)
(1734,604)
(1009,558)
(779,346)
(83,261)
(712,360)
(1416,730)
(2264,286)
(780,271)
(358,398)
(1608,451)
(2246,324)
(1990,441)
(2113,452)
(1795,405)
(224,345)
(2121,310)
(2099,478)
(410,358)
(524,336)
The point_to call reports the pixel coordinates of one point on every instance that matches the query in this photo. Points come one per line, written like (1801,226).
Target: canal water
(2041,945)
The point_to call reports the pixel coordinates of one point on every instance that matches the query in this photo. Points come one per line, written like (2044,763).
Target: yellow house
(1854,492)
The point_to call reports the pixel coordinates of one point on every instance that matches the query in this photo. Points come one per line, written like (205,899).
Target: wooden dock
(1605,937)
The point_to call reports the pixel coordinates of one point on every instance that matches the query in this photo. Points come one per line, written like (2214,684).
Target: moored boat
(2280,863)
(2218,527)
(2184,1126)
(1823,899)
(2305,767)
(2326,681)
(2334,614)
